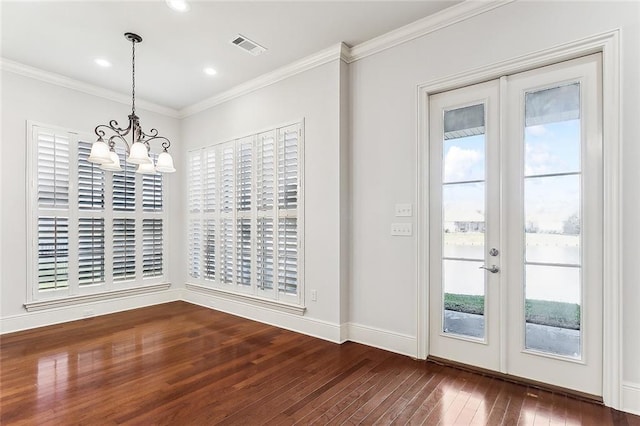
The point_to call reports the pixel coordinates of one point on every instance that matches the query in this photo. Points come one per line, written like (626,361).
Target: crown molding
(335,52)
(446,17)
(90,89)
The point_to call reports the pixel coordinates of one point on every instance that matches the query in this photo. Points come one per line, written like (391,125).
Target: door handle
(494,269)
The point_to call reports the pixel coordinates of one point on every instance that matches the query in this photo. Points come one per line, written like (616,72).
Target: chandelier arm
(165,145)
(114,138)
(153,133)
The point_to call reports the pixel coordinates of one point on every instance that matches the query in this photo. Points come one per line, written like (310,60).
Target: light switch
(402,229)
(403,210)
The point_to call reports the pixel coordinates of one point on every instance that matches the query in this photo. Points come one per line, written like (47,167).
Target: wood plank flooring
(180,364)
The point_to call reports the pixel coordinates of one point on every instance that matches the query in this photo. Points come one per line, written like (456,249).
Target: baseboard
(300,324)
(46,317)
(383,339)
(631,398)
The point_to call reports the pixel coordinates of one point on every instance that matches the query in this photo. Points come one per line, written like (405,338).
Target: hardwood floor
(186,365)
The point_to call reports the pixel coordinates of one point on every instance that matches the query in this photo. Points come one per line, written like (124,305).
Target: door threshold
(583,396)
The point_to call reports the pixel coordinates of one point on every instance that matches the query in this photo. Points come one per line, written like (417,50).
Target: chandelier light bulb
(99,152)
(165,163)
(139,154)
(146,169)
(114,164)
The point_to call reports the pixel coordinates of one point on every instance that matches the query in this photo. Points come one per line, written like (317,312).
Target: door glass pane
(463,286)
(552,309)
(552,219)
(463,220)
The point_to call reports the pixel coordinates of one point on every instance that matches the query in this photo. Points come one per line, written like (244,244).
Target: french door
(515,234)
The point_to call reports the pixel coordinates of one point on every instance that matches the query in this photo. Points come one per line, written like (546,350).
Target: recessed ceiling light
(210,71)
(102,62)
(178,5)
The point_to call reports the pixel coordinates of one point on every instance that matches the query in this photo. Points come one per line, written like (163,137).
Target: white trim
(89,89)
(300,324)
(79,311)
(447,17)
(631,398)
(382,339)
(248,299)
(608,44)
(95,297)
(338,51)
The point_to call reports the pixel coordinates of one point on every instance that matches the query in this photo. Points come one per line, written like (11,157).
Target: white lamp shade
(99,153)
(139,154)
(165,163)
(113,165)
(146,169)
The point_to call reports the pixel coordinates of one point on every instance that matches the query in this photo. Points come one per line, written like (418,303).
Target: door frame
(607,44)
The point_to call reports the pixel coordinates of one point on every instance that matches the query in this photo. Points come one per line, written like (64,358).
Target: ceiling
(66,37)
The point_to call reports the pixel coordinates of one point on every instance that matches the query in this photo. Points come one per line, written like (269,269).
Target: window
(244,199)
(95,231)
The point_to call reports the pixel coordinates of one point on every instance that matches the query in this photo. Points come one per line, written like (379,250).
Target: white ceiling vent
(248,45)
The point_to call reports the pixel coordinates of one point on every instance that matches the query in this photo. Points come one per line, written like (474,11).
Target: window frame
(272,298)
(37,299)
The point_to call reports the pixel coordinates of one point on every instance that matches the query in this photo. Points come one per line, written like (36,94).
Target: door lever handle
(494,269)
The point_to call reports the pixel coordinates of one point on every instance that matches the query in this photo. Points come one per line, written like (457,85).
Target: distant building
(467,221)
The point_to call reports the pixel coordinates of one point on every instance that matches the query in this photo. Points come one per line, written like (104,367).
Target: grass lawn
(543,312)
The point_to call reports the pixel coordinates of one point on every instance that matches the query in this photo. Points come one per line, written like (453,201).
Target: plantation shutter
(243,168)
(90,180)
(265,252)
(53,170)
(210,249)
(210,181)
(226,251)
(152,247)
(288,168)
(53,252)
(124,249)
(194,180)
(227,180)
(243,251)
(124,185)
(288,255)
(90,250)
(266,171)
(152,190)
(195,241)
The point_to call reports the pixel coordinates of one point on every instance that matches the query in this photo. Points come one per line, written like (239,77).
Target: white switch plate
(403,210)
(402,229)
(314,295)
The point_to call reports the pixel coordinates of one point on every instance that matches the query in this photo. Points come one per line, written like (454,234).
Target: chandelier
(103,150)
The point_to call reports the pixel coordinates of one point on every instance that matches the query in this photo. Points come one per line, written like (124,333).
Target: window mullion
(138,231)
(108,231)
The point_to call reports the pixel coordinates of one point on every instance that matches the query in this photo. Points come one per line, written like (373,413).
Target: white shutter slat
(266,171)
(152,190)
(288,169)
(243,252)
(227,179)
(53,170)
(124,185)
(195,241)
(288,255)
(194,179)
(265,250)
(210,202)
(90,251)
(210,250)
(124,249)
(243,174)
(90,180)
(226,251)
(53,252)
(152,257)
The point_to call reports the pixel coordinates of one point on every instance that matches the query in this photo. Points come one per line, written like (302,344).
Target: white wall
(315,96)
(25,99)
(384,140)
